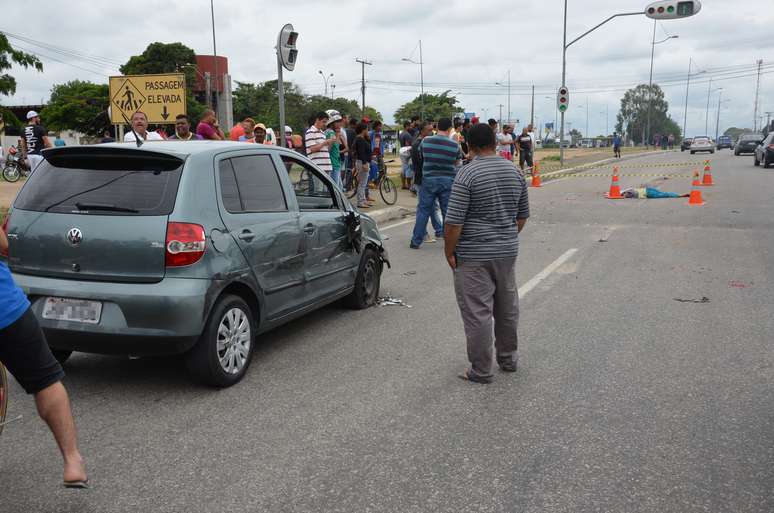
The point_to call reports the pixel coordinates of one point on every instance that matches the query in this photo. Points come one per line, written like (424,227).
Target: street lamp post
(653,44)
(706,114)
(717,120)
(687,83)
(508,85)
(421,64)
(325,80)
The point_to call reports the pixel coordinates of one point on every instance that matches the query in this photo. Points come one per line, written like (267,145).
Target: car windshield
(750,138)
(104,186)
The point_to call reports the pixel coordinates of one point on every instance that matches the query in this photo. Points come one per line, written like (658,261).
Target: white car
(702,144)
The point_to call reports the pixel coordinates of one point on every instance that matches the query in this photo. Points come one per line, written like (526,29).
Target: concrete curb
(592,165)
(384,215)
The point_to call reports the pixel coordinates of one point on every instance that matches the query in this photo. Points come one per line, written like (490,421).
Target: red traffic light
(562,100)
(292,37)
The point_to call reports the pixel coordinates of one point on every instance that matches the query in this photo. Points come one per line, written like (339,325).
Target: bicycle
(387,188)
(15,167)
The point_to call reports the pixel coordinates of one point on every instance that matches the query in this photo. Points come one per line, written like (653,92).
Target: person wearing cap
(288,137)
(259,135)
(334,132)
(35,140)
(140,126)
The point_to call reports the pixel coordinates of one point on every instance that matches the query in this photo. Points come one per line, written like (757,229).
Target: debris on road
(702,300)
(392,301)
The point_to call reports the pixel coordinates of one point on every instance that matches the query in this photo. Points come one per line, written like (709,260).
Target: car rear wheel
(367,282)
(223,353)
(736,153)
(693,152)
(766,162)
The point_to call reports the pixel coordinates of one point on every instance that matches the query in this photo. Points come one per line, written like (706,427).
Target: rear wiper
(105,207)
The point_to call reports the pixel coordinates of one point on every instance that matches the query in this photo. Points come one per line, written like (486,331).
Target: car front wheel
(225,348)
(367,282)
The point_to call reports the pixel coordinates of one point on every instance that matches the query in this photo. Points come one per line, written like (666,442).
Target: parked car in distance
(764,153)
(725,141)
(747,143)
(686,144)
(702,143)
(189,248)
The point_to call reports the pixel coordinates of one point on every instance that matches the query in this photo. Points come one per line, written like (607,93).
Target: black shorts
(25,353)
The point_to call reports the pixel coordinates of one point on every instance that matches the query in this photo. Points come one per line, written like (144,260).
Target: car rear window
(103,185)
(750,138)
(701,140)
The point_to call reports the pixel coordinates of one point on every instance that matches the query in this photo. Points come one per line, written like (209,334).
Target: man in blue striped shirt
(440,156)
(487,210)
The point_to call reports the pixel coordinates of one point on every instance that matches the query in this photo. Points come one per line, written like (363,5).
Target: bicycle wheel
(352,191)
(3,396)
(11,173)
(388,190)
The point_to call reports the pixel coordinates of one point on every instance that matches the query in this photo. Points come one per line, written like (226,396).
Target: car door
(331,262)
(255,211)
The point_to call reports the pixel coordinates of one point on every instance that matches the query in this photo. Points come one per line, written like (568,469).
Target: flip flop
(467,376)
(79,484)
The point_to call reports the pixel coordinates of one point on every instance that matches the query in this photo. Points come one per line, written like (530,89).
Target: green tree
(78,105)
(575,135)
(168,58)
(371,113)
(735,132)
(8,57)
(632,119)
(436,106)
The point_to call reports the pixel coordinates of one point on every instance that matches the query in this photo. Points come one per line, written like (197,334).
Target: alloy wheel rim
(234,341)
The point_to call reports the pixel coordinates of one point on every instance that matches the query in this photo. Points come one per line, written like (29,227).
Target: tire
(765,162)
(367,282)
(712,152)
(225,348)
(682,149)
(388,191)
(61,355)
(693,152)
(11,173)
(736,153)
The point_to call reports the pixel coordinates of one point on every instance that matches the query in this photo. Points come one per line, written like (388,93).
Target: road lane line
(542,275)
(407,221)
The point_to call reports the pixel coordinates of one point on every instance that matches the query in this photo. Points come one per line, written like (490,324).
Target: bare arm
(451,236)
(46,142)
(520,224)
(3,242)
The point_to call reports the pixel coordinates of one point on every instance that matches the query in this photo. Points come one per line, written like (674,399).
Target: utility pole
(215,58)
(363,64)
(208,88)
(532,108)
(501,115)
(717,120)
(421,81)
(706,114)
(757,90)
(509,96)
(685,113)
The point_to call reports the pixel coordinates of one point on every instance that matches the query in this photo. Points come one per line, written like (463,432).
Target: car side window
(251,184)
(312,192)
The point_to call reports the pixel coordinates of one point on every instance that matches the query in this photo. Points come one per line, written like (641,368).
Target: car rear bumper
(136,318)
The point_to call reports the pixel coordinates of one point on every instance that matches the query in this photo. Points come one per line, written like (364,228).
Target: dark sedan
(764,153)
(747,143)
(686,144)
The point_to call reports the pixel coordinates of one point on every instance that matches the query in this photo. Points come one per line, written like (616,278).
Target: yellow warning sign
(160,97)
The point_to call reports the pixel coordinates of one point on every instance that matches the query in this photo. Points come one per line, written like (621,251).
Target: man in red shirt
(208,127)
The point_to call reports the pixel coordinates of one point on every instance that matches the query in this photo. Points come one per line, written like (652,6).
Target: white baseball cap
(32,114)
(288,130)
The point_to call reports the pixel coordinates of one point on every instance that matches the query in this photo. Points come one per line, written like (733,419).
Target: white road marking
(407,221)
(545,273)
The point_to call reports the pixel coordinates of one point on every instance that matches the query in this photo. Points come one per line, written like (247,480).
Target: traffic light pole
(281,95)
(565,46)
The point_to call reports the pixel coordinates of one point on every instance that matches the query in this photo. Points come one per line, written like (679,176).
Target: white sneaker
(430,238)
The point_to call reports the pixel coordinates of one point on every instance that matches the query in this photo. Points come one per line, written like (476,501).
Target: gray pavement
(626,399)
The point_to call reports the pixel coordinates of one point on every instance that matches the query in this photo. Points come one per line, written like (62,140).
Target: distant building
(213,83)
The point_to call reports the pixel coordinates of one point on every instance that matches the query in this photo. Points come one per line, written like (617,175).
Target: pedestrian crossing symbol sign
(160,97)
(127,100)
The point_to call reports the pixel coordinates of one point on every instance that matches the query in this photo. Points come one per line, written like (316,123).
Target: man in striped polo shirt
(440,156)
(317,146)
(487,210)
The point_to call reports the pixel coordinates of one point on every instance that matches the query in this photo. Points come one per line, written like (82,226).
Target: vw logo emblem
(74,236)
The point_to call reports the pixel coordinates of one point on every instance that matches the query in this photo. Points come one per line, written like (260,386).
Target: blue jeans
(336,177)
(432,189)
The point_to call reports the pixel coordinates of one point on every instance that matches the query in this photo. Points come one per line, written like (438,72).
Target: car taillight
(771,146)
(185,244)
(5,231)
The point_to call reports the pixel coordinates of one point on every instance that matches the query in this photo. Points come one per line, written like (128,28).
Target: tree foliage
(632,119)
(168,58)
(436,106)
(78,105)
(260,102)
(8,57)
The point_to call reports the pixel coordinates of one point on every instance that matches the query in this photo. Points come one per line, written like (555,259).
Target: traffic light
(672,9)
(286,47)
(563,99)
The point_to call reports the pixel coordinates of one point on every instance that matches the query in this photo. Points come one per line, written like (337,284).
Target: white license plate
(76,310)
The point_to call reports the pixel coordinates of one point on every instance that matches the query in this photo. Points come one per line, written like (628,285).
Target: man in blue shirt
(616,145)
(24,351)
(440,157)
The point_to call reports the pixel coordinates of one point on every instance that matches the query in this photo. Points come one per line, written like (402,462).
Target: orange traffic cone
(695,197)
(536,175)
(615,189)
(707,176)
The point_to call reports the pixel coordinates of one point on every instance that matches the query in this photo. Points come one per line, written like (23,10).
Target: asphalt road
(630,397)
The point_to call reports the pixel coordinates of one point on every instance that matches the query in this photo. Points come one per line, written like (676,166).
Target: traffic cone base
(615,188)
(695,198)
(536,176)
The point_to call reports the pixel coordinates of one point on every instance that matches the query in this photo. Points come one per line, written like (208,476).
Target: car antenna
(136,137)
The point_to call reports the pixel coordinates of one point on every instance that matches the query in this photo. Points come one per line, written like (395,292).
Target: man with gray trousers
(487,209)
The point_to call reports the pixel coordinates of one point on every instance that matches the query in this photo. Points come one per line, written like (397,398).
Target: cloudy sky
(468,47)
